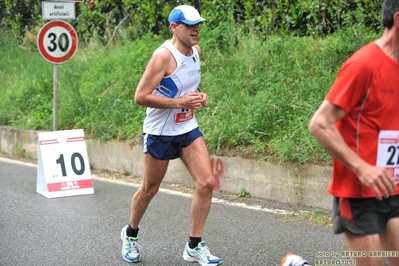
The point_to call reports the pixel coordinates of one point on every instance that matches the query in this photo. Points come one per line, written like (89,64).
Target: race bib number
(184,116)
(388,152)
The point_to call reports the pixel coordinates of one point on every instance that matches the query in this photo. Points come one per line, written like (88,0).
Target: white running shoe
(130,247)
(201,254)
(293,260)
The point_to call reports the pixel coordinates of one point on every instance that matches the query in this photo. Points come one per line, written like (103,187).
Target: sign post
(57,42)
(63,165)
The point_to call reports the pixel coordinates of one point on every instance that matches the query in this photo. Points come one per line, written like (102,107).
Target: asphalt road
(85,230)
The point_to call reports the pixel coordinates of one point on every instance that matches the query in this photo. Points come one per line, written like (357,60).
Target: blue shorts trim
(168,147)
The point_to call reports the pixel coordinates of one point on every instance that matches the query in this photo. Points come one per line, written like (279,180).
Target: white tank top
(186,78)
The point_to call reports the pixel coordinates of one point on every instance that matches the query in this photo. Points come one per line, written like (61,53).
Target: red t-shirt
(367,89)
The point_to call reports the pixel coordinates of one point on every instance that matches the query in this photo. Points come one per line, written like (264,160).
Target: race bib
(182,117)
(388,152)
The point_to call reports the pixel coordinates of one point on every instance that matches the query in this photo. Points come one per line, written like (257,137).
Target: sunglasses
(188,26)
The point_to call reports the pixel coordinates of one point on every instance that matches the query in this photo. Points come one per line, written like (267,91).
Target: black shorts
(168,147)
(362,217)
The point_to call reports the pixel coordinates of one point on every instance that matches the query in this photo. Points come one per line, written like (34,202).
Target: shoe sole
(131,261)
(192,259)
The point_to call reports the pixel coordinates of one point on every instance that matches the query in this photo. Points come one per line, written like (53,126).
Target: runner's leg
(196,158)
(390,240)
(365,244)
(153,173)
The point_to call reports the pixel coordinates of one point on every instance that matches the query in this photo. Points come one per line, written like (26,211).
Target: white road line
(189,195)
(6,160)
(167,191)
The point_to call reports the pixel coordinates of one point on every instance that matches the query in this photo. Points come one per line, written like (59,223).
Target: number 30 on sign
(63,166)
(57,41)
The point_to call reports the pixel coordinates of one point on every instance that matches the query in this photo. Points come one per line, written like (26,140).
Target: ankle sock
(193,242)
(130,232)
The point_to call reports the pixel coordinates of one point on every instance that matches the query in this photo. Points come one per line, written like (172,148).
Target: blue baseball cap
(185,14)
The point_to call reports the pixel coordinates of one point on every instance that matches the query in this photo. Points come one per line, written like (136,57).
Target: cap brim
(193,22)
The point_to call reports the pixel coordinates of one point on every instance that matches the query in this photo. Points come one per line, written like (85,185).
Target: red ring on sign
(40,41)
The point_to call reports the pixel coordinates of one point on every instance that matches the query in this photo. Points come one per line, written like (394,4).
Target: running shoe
(293,260)
(201,254)
(130,247)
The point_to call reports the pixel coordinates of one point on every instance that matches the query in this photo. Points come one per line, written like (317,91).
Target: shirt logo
(389,91)
(193,72)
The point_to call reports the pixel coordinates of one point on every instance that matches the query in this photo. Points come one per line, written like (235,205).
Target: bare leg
(196,158)
(390,240)
(365,243)
(153,173)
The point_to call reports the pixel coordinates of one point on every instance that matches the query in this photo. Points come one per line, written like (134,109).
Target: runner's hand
(204,99)
(192,100)
(378,179)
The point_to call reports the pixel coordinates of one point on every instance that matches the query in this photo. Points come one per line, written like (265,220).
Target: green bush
(114,21)
(17,15)
(263,88)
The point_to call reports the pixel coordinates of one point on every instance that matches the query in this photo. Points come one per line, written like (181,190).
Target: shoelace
(206,253)
(133,245)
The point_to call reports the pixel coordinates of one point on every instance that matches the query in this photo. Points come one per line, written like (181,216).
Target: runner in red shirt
(358,124)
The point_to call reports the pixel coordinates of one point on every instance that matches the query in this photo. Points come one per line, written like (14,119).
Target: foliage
(318,216)
(114,21)
(269,95)
(267,65)
(263,90)
(135,17)
(244,193)
(17,16)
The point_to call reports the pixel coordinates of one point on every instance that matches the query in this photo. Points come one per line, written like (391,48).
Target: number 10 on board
(63,167)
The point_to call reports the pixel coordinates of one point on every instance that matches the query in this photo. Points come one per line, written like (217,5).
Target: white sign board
(58,10)
(63,167)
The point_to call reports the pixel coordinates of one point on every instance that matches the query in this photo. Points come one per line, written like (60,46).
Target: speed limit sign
(57,41)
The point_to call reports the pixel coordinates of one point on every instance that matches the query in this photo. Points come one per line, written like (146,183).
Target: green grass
(263,89)
(318,217)
(244,193)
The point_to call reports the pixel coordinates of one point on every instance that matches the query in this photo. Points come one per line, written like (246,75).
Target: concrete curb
(288,183)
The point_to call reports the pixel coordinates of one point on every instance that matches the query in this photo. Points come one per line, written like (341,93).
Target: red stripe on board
(49,141)
(75,139)
(69,185)
(389,140)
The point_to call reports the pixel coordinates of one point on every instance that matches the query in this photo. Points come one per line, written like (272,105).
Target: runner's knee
(205,184)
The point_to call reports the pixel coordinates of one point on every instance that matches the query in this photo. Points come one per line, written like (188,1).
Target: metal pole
(55,99)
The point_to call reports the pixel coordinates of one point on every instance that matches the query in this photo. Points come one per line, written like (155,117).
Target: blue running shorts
(168,147)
